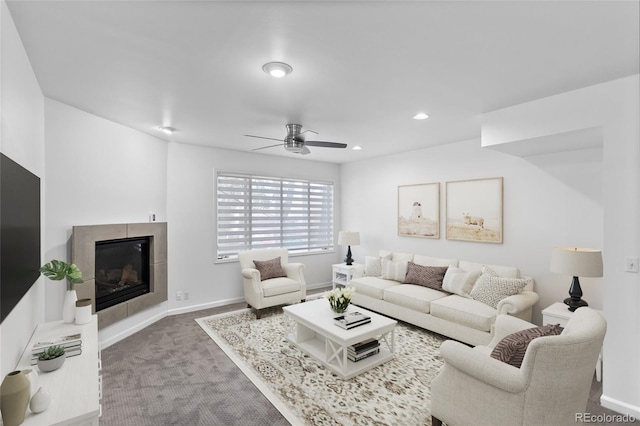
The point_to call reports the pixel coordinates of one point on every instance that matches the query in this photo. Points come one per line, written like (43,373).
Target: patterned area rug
(306,393)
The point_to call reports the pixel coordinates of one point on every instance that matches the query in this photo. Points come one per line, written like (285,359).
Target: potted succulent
(58,270)
(51,358)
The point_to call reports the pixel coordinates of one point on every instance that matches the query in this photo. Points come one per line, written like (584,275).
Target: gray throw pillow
(512,348)
(427,276)
(269,268)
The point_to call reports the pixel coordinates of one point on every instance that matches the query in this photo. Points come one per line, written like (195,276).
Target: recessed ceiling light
(277,69)
(421,116)
(166,129)
(357,148)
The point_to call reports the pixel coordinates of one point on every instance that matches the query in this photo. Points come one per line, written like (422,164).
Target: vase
(340,309)
(40,401)
(46,365)
(14,398)
(69,307)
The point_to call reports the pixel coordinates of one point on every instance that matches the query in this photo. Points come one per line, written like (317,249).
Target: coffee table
(310,327)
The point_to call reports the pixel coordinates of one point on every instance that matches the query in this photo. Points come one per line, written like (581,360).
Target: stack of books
(71,343)
(352,319)
(363,350)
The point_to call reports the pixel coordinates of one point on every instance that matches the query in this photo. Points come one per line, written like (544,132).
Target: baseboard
(215,304)
(131,330)
(619,406)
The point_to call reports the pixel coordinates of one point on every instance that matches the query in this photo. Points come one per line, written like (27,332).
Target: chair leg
(258,313)
(435,421)
(248,305)
(303,300)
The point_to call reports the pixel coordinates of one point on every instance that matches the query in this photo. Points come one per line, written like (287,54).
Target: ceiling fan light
(357,148)
(166,129)
(277,69)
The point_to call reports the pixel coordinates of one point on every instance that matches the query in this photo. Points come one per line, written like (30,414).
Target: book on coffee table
(352,319)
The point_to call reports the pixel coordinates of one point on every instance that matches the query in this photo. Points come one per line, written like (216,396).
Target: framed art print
(419,210)
(475,210)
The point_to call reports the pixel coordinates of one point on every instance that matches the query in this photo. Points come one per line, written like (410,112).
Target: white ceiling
(361,69)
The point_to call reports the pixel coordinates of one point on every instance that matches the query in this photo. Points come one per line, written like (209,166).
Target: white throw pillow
(433,261)
(459,282)
(490,288)
(394,270)
(372,266)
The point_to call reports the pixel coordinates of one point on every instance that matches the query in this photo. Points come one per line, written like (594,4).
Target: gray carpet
(172,373)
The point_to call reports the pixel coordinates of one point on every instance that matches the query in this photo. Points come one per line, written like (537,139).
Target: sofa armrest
(295,271)
(505,325)
(481,366)
(517,303)
(358,271)
(251,274)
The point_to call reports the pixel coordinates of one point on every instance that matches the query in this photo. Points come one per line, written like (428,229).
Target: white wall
(192,243)
(614,108)
(542,195)
(22,140)
(98,172)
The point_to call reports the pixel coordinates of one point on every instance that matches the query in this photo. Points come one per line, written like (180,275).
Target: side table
(342,273)
(558,313)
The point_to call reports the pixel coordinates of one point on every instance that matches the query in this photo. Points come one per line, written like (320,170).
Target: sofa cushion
(270,268)
(394,269)
(464,311)
(277,286)
(372,266)
(426,276)
(512,348)
(491,288)
(503,271)
(433,261)
(371,286)
(414,297)
(459,282)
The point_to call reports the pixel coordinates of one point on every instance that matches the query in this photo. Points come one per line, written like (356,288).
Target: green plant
(51,352)
(58,270)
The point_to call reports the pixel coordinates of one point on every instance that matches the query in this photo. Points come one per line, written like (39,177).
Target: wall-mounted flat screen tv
(19,233)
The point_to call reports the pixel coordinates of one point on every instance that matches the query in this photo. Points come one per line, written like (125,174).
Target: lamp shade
(577,262)
(349,238)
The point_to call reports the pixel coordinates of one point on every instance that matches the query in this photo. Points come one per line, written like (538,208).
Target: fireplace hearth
(122,270)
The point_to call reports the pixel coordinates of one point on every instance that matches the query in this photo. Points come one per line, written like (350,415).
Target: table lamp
(577,262)
(349,238)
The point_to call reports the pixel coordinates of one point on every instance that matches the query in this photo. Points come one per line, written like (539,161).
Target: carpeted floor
(172,373)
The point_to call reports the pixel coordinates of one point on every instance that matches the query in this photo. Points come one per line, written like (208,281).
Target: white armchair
(550,387)
(263,293)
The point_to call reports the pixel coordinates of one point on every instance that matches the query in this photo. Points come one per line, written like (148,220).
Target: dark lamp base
(574,304)
(348,260)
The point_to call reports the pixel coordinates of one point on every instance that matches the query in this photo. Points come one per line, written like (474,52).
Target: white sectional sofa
(464,312)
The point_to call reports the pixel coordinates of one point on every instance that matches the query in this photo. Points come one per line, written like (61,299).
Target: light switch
(631,264)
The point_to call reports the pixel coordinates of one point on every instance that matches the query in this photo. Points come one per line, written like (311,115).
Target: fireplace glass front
(122,270)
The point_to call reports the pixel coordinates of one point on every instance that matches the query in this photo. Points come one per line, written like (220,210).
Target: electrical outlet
(179,295)
(186,295)
(631,264)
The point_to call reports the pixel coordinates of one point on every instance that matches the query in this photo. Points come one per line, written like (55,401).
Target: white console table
(76,387)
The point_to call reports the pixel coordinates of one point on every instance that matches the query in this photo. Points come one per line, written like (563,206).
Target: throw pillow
(394,270)
(459,282)
(427,276)
(490,289)
(269,268)
(512,348)
(372,266)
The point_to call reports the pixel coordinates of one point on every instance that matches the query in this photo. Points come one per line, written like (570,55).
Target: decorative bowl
(46,365)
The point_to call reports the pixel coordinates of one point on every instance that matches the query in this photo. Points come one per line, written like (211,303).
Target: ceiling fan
(295,141)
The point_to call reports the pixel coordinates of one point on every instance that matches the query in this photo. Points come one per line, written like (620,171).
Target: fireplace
(134,280)
(122,270)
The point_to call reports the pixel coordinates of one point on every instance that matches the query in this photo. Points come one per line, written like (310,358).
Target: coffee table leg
(337,352)
(390,344)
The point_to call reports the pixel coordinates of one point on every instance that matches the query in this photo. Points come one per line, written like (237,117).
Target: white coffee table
(310,327)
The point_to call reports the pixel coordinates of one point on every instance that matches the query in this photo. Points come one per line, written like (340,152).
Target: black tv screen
(19,233)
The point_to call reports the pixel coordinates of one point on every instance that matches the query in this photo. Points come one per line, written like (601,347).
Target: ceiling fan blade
(305,151)
(326,144)
(262,137)
(264,147)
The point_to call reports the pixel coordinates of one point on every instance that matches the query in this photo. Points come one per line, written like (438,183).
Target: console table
(76,387)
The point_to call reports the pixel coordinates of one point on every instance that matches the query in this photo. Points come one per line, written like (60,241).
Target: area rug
(306,393)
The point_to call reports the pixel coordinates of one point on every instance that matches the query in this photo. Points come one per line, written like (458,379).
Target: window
(263,212)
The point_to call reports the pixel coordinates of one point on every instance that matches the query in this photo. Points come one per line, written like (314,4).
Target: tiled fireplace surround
(83,248)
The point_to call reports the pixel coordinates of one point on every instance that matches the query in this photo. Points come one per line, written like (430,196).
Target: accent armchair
(550,387)
(260,290)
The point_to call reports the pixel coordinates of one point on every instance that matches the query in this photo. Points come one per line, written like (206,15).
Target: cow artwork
(475,210)
(473,220)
